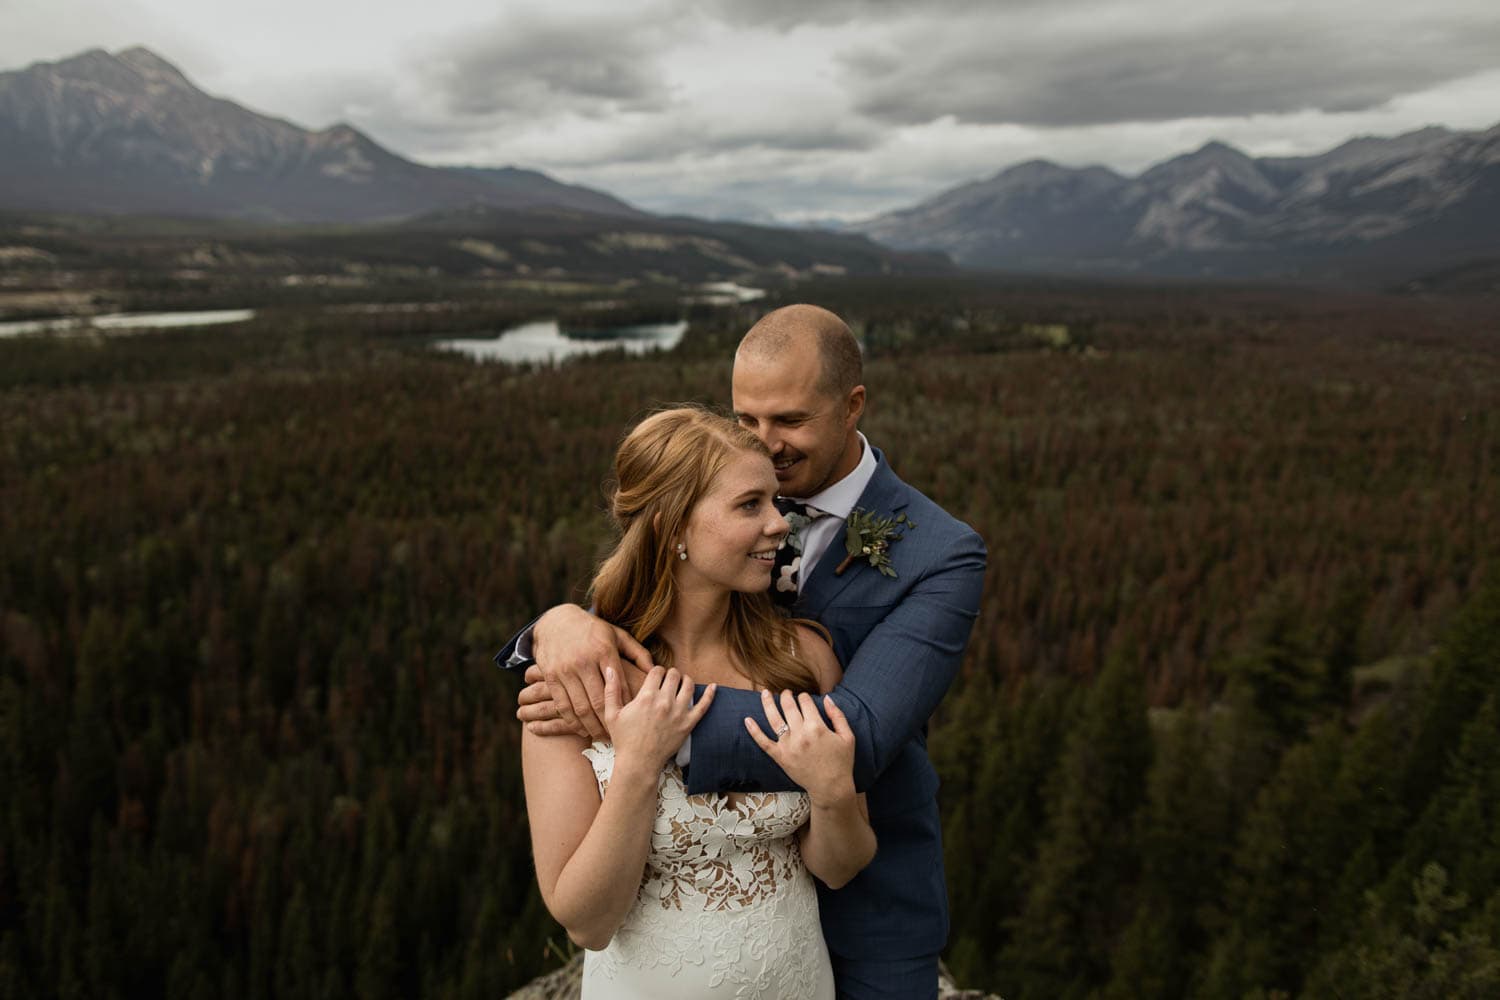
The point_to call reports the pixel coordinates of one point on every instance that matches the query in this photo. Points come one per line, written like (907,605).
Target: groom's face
(809,432)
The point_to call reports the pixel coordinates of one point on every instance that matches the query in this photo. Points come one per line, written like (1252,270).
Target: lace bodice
(725,905)
(714,852)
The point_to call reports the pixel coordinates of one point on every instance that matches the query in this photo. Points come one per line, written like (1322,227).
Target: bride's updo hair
(662,469)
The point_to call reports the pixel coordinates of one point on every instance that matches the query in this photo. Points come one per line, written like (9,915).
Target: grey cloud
(52,32)
(789,136)
(762,198)
(371,105)
(530,66)
(1216,69)
(668,139)
(788,14)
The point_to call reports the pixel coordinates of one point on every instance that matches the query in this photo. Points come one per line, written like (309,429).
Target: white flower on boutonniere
(870,538)
(788,578)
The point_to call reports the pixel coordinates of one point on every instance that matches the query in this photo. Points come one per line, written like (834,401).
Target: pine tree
(1366,805)
(1460,829)
(1291,683)
(995,759)
(1287,861)
(1468,668)
(376,977)
(1426,953)
(1089,862)
(297,960)
(1185,842)
(101,961)
(13,980)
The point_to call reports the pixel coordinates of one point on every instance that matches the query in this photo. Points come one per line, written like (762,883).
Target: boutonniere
(797,522)
(870,538)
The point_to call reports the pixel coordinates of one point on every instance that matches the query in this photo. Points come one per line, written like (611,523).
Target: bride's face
(733,531)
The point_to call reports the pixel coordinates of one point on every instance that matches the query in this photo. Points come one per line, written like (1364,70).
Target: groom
(797,385)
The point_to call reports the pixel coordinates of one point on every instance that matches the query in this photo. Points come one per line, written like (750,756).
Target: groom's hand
(565,689)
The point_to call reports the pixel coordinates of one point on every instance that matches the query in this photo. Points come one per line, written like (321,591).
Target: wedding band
(783,731)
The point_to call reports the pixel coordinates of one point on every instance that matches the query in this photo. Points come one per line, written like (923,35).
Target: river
(543,341)
(125,321)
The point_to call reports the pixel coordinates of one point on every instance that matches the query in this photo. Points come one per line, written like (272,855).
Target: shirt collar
(840,498)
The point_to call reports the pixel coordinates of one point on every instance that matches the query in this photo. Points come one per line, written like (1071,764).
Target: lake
(125,321)
(543,341)
(729,293)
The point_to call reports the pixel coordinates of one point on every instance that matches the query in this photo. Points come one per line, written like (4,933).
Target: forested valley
(1228,726)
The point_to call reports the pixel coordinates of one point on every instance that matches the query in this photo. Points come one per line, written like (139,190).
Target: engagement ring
(783,731)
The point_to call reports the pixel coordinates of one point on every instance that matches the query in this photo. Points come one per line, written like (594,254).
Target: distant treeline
(1227,727)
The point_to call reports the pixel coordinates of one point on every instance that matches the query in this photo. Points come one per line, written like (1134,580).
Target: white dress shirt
(836,502)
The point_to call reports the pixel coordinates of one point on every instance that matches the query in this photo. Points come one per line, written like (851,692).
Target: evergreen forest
(1228,726)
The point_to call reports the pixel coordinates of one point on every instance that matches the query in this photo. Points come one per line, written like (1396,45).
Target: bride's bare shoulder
(813,645)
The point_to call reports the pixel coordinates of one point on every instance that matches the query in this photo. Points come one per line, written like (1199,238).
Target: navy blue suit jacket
(901,641)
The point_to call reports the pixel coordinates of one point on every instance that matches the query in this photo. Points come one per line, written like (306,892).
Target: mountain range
(128,133)
(128,136)
(1370,208)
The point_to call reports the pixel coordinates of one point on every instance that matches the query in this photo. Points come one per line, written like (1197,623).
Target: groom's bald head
(797,386)
(811,332)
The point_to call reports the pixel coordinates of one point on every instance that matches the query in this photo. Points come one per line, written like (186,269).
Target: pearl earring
(681,551)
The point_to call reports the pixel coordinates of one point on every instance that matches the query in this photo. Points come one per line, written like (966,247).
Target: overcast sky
(861,106)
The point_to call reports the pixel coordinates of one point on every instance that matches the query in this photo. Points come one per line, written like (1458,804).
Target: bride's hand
(649,728)
(816,757)
(564,692)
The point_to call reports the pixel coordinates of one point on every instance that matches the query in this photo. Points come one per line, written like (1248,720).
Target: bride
(691,896)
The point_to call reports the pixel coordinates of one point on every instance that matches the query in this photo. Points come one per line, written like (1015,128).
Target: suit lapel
(885,495)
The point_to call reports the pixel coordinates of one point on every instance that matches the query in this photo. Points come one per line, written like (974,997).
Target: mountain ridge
(1357,211)
(129,133)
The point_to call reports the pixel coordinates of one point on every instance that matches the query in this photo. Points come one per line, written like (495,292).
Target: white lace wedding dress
(726,907)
